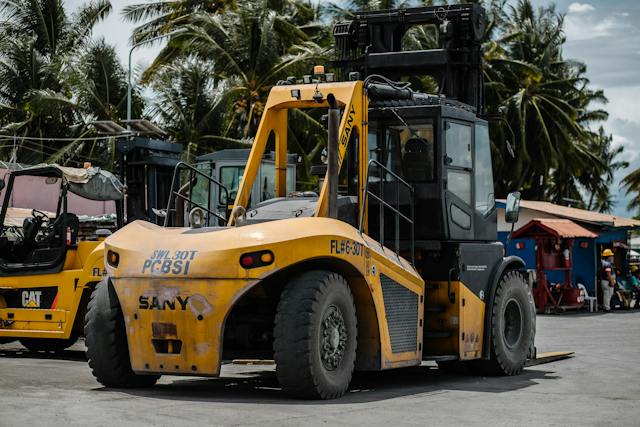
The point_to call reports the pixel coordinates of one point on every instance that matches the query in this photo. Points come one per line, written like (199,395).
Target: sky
(604,34)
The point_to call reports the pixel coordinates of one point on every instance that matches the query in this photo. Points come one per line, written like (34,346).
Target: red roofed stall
(554,240)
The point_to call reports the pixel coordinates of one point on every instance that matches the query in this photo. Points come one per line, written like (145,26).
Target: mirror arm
(506,246)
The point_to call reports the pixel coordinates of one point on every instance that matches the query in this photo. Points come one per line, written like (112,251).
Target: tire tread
(293,335)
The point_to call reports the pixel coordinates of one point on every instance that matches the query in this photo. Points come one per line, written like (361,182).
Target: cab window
(200,190)
(409,153)
(483,171)
(230,177)
(458,137)
(458,160)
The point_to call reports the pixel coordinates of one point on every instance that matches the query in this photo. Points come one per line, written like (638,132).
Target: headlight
(113,259)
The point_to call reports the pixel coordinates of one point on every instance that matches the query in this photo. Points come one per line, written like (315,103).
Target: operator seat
(54,247)
(58,236)
(30,228)
(417,160)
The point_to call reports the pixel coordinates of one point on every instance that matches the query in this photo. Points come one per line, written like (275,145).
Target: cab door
(458,178)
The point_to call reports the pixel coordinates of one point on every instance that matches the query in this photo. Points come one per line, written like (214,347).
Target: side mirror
(512,209)
(2,184)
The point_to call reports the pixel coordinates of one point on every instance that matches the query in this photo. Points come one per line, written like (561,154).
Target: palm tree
(100,83)
(164,16)
(347,10)
(191,107)
(38,45)
(631,183)
(545,99)
(253,49)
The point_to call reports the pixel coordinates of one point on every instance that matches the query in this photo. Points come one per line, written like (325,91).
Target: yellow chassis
(176,287)
(83,267)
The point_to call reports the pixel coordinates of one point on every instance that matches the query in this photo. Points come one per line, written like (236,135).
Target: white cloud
(580,8)
(117,32)
(588,27)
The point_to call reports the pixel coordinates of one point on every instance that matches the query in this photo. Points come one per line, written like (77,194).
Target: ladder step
(435,308)
(438,334)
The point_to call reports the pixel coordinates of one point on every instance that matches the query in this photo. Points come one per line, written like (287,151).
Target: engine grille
(401,308)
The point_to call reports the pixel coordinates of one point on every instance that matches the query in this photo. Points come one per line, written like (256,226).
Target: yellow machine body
(55,315)
(177,286)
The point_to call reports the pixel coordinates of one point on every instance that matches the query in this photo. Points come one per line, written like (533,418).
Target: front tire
(315,336)
(512,326)
(106,340)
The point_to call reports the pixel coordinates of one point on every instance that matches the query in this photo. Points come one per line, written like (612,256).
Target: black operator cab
(442,149)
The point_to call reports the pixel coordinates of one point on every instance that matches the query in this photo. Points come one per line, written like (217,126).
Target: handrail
(175,194)
(383,204)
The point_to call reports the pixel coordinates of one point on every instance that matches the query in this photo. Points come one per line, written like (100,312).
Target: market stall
(555,289)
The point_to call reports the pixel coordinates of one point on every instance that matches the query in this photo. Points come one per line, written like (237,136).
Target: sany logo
(31,299)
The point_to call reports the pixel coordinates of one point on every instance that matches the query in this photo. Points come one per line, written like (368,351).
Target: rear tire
(106,340)
(512,326)
(315,336)
(47,344)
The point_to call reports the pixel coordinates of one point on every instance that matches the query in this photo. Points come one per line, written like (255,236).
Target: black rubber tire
(303,306)
(509,354)
(106,341)
(47,344)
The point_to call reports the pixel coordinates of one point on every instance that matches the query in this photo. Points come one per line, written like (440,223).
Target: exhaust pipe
(332,155)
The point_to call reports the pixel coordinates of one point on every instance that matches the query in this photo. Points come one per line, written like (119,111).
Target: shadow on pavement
(576,313)
(262,386)
(15,351)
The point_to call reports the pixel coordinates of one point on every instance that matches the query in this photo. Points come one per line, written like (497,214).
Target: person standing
(607,278)
(632,285)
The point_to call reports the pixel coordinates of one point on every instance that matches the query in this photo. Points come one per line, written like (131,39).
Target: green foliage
(54,79)
(212,80)
(245,51)
(100,82)
(632,184)
(548,106)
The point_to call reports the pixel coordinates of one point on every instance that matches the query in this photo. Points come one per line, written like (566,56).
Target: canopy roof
(579,215)
(91,183)
(560,228)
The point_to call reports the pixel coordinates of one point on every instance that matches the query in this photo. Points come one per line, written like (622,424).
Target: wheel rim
(333,338)
(512,330)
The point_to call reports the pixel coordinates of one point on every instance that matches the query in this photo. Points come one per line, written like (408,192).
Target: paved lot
(600,385)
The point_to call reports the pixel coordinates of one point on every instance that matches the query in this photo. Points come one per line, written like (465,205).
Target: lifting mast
(372,43)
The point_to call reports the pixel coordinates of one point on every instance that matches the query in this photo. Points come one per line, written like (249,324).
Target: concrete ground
(600,385)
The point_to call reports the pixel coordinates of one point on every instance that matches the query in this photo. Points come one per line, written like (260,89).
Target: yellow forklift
(395,261)
(46,271)
(47,268)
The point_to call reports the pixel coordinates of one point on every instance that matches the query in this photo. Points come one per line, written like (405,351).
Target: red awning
(561,228)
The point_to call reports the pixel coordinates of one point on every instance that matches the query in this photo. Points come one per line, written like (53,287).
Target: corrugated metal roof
(564,228)
(580,214)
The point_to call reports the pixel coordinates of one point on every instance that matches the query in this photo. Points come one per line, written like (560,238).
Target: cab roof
(92,183)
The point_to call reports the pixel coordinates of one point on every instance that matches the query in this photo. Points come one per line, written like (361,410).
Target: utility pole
(129,85)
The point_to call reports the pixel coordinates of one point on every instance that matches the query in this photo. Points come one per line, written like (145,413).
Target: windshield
(200,190)
(407,151)
(230,176)
(28,193)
